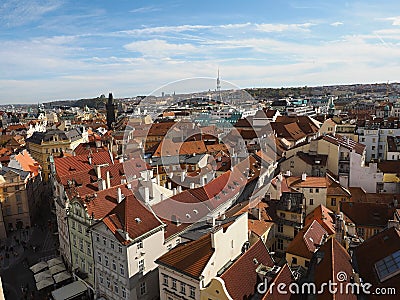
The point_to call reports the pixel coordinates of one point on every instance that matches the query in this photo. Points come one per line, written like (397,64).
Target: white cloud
(395,20)
(145,9)
(336,24)
(160,48)
(283,27)
(19,12)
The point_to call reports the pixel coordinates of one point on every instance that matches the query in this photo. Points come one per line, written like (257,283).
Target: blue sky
(55,49)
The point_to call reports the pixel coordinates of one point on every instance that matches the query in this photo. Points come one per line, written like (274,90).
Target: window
(373,147)
(192,292)
(140,245)
(183,288)
(19,207)
(311,190)
(106,260)
(74,239)
(306,263)
(292,163)
(360,232)
(169,247)
(311,201)
(119,248)
(112,245)
(90,267)
(280,227)
(99,256)
(123,292)
(280,244)
(116,287)
(88,248)
(294,260)
(121,269)
(97,237)
(83,264)
(317,190)
(376,231)
(104,241)
(73,224)
(114,265)
(177,241)
(173,283)
(165,280)
(141,265)
(108,283)
(142,288)
(389,266)
(101,278)
(333,201)
(17,188)
(79,228)
(81,244)
(282,215)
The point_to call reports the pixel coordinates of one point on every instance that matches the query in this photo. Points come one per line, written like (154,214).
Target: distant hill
(98,103)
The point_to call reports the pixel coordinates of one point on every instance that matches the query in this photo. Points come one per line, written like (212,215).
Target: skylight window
(388,267)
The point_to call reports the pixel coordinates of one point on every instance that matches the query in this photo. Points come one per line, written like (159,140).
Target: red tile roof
(367,214)
(130,216)
(335,259)
(374,249)
(241,277)
(190,258)
(323,216)
(168,147)
(307,240)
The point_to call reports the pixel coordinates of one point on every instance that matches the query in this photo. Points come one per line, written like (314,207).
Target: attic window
(388,267)
(138,220)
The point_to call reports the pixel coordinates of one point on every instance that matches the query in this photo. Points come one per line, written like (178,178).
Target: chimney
(146,194)
(303,176)
(108,180)
(98,172)
(101,184)
(203,180)
(169,185)
(183,175)
(179,189)
(90,159)
(174,191)
(192,185)
(120,196)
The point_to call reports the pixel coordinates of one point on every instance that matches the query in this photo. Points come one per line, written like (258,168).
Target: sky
(60,49)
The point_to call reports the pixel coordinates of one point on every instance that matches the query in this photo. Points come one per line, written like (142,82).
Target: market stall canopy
(54,261)
(70,291)
(57,269)
(39,267)
(61,276)
(42,276)
(44,283)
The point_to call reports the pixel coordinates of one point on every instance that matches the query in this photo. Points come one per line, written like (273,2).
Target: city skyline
(67,49)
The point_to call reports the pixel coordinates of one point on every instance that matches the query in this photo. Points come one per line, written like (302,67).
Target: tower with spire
(331,108)
(110,107)
(218,87)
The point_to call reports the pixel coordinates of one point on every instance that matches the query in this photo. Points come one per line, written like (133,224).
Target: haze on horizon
(55,49)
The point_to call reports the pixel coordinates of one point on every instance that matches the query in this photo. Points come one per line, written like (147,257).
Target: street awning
(61,276)
(39,267)
(69,291)
(42,276)
(54,261)
(44,283)
(57,269)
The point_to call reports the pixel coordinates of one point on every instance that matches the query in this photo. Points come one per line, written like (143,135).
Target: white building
(126,244)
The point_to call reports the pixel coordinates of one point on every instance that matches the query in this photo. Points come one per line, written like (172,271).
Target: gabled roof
(344,141)
(373,250)
(168,147)
(241,277)
(334,259)
(309,182)
(132,217)
(190,258)
(323,216)
(284,276)
(307,241)
(26,162)
(367,214)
